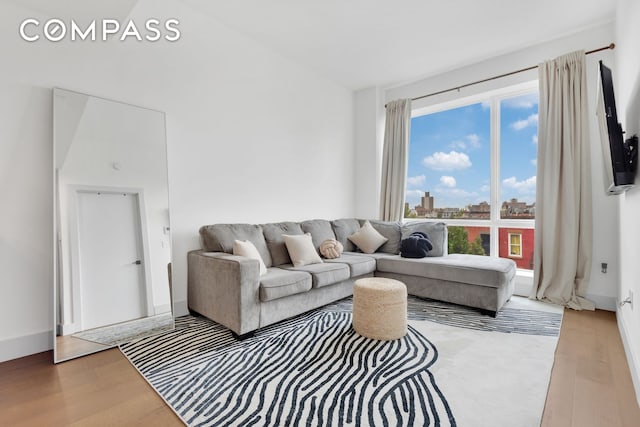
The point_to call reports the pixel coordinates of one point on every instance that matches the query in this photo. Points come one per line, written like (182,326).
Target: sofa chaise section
(475,281)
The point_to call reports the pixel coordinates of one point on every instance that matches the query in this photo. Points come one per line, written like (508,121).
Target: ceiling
(363,43)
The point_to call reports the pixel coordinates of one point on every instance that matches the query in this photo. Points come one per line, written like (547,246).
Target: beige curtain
(394,161)
(563,242)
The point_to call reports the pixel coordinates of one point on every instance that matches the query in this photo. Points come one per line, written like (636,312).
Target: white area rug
(455,367)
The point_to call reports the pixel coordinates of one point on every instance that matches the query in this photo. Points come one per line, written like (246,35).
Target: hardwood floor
(100,389)
(590,385)
(590,382)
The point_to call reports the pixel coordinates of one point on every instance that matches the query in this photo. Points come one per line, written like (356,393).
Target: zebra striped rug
(315,370)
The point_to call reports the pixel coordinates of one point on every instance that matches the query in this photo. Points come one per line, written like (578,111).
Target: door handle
(137,262)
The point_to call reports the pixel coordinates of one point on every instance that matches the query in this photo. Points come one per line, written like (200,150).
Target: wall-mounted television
(620,156)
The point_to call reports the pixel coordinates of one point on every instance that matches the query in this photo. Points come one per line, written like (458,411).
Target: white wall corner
(14,348)
(632,357)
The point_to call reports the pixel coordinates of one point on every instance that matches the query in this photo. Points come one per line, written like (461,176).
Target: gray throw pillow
(320,230)
(343,228)
(437,232)
(220,238)
(273,235)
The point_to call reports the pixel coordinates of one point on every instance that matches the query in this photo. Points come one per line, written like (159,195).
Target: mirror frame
(90,347)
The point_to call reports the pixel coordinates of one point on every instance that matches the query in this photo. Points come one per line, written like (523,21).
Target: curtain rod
(611,46)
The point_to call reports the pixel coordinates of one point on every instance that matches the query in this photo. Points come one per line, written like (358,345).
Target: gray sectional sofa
(230,290)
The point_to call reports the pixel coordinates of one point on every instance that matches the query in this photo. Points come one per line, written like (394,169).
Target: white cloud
(458,145)
(448,181)
(416,181)
(529,121)
(534,138)
(471,141)
(447,161)
(534,162)
(526,186)
(486,104)
(474,140)
(485,188)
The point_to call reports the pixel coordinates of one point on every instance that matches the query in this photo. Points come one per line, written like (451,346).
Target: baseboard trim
(632,360)
(603,302)
(27,345)
(181,308)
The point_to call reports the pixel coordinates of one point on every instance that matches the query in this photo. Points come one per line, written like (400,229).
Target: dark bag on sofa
(417,245)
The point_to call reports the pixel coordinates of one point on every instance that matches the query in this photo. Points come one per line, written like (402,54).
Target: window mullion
(495,174)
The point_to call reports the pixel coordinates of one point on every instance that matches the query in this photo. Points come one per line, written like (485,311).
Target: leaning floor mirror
(112,249)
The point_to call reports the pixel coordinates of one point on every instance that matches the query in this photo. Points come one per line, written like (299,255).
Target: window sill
(524,282)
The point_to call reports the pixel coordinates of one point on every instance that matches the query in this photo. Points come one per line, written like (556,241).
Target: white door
(110,255)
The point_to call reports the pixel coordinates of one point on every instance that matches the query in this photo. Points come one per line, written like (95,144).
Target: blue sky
(450,153)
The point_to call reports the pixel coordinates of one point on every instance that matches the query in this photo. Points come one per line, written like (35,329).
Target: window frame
(511,245)
(493,97)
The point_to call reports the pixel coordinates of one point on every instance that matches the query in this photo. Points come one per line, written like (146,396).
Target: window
(518,156)
(472,164)
(450,158)
(515,245)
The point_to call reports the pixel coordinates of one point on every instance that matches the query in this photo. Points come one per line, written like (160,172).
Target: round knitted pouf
(380,308)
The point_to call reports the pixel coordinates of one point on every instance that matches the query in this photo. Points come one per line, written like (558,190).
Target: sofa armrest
(225,288)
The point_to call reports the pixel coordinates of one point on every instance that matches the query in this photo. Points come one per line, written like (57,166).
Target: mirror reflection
(112,254)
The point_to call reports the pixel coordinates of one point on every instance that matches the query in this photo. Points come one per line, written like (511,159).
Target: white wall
(369,135)
(627,87)
(252,136)
(603,287)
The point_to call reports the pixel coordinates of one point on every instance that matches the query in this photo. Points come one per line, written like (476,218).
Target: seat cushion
(323,274)
(279,283)
(375,255)
(470,269)
(275,243)
(358,264)
(220,238)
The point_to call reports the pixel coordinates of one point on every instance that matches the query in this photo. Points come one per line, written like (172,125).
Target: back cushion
(392,231)
(320,230)
(437,232)
(220,238)
(273,235)
(343,228)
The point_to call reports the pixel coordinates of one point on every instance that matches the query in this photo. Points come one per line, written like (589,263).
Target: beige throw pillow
(247,249)
(367,238)
(301,249)
(331,249)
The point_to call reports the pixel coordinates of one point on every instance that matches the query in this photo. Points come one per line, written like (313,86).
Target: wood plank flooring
(590,382)
(590,385)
